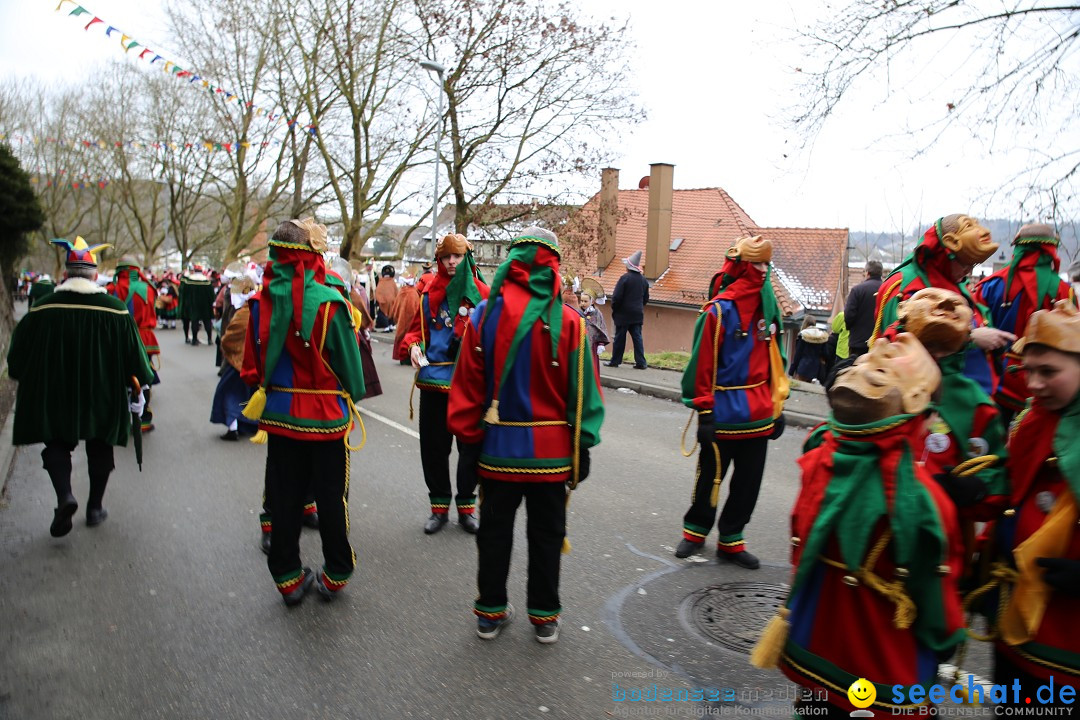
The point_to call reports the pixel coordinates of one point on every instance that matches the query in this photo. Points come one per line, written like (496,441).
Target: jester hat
(80,255)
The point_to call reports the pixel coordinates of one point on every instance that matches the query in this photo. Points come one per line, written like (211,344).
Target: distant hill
(892,247)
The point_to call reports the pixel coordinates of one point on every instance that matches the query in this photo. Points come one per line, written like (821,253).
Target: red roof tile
(808,262)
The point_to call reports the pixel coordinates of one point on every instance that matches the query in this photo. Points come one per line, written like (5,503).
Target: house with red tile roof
(683,235)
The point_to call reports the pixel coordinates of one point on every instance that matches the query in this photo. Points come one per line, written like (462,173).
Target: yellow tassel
(491,417)
(766,654)
(966,696)
(256,405)
(714,496)
(566,546)
(260,437)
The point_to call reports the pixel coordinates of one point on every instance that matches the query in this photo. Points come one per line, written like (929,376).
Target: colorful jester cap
(80,255)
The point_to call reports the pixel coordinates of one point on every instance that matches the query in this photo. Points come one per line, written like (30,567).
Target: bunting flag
(168,66)
(208,145)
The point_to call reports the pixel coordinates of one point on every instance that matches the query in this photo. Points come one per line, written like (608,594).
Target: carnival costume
(76,354)
(954,239)
(735,381)
(301,353)
(525,405)
(437,329)
(132,288)
(196,304)
(1012,294)
(876,545)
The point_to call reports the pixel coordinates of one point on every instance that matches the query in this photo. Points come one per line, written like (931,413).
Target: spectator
(859,309)
(809,363)
(628,312)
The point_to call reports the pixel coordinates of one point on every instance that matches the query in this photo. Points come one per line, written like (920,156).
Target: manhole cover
(733,614)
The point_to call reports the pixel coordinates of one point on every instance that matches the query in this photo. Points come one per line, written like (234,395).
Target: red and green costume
(730,375)
(1044,467)
(135,291)
(1012,294)
(877,551)
(525,392)
(929,265)
(301,351)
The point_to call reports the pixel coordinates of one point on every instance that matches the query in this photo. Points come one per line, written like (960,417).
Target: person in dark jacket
(628,312)
(810,361)
(859,309)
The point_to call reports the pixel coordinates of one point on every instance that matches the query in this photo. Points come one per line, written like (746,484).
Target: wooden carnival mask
(940,319)
(966,239)
(751,249)
(893,378)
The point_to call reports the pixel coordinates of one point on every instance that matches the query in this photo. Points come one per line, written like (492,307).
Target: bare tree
(1009,79)
(230,42)
(352,65)
(531,96)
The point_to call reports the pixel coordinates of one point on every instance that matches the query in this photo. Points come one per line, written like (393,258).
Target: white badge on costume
(937,442)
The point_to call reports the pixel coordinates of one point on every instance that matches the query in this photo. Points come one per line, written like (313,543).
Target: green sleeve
(344,352)
(583,384)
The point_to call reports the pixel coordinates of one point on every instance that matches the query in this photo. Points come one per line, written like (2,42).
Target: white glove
(599,349)
(139,404)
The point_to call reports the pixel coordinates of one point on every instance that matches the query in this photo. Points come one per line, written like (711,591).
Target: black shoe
(434,523)
(264,543)
(195,342)
(231,435)
(742,559)
(296,596)
(547,633)
(687,548)
(490,629)
(95,516)
(611,364)
(641,367)
(468,523)
(311,521)
(187,341)
(61,524)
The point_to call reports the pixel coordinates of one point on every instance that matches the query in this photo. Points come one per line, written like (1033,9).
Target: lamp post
(439,70)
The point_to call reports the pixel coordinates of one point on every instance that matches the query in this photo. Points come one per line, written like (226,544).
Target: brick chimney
(608,221)
(658,230)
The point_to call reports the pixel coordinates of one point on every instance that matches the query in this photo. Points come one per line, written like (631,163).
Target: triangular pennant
(108,32)
(95,20)
(79,10)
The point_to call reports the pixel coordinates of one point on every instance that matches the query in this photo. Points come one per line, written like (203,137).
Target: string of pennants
(80,184)
(210,146)
(128,43)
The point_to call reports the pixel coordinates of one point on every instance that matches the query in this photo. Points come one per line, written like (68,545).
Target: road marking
(396,425)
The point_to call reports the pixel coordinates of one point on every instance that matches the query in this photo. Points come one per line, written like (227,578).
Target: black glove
(778,426)
(1061,574)
(706,428)
(963,491)
(584,464)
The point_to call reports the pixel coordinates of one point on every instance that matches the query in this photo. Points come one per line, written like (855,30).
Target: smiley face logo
(862,693)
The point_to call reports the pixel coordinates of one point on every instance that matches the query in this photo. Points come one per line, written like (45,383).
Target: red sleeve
(698,392)
(251,372)
(414,335)
(465,412)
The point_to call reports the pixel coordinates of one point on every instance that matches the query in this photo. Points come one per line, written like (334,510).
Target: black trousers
(545,507)
(266,517)
(293,467)
(56,457)
(748,458)
(435,444)
(618,348)
(193,325)
(1006,672)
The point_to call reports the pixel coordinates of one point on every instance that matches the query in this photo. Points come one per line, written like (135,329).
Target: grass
(675,360)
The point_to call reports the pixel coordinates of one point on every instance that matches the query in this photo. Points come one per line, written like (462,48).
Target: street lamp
(439,70)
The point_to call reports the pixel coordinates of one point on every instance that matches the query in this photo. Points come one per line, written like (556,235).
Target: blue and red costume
(525,397)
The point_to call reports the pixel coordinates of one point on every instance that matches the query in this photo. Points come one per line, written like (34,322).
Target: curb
(668,393)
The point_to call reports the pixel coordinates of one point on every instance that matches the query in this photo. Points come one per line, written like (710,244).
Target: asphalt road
(167,610)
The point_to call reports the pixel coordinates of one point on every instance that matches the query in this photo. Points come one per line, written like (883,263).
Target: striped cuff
(731,544)
(439,505)
(494,613)
(541,617)
(694,533)
(289,582)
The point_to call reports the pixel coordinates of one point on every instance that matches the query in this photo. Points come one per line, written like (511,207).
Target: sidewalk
(805,407)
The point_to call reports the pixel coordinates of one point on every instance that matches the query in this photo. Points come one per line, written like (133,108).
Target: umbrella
(136,423)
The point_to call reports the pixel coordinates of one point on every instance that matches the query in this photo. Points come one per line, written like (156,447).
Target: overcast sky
(714,78)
